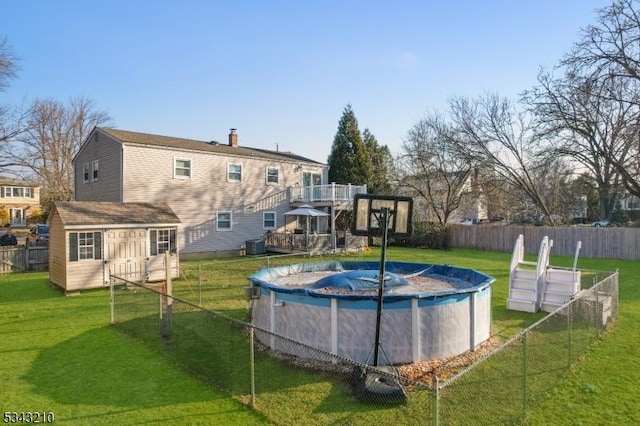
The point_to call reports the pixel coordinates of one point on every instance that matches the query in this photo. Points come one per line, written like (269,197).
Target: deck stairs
(526,279)
(561,285)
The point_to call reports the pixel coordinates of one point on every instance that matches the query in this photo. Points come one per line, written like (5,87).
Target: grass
(59,354)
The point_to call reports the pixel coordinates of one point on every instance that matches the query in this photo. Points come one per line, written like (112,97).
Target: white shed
(91,240)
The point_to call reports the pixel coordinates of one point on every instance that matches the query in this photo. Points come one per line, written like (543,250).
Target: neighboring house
(89,241)
(464,188)
(224,194)
(474,202)
(21,199)
(630,203)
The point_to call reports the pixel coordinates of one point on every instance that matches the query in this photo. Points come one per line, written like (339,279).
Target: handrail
(575,258)
(518,253)
(541,267)
(332,192)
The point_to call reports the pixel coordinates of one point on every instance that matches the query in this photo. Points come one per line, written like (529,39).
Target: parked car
(38,233)
(600,223)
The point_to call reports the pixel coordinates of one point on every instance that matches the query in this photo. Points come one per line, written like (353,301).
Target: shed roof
(114,213)
(126,136)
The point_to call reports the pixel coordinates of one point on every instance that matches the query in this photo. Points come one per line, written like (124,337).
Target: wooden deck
(285,242)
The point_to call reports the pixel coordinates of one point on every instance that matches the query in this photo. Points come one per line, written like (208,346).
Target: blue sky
(282,72)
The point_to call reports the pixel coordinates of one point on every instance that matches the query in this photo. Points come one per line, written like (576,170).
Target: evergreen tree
(348,161)
(381,164)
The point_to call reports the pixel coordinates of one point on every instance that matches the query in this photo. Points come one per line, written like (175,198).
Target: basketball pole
(384,217)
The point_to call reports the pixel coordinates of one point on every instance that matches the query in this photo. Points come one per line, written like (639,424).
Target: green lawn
(59,354)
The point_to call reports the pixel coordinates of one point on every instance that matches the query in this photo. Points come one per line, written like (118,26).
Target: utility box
(255,247)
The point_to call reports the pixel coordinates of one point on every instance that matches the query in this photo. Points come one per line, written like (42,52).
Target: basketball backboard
(368,211)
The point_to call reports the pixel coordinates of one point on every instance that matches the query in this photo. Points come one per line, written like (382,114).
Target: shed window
(85,172)
(162,240)
(85,246)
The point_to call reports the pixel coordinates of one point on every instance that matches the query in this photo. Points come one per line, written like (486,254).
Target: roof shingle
(126,136)
(114,213)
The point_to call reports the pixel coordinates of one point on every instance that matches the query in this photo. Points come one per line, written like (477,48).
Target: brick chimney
(233,138)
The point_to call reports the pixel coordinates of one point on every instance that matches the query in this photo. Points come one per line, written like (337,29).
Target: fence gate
(13,259)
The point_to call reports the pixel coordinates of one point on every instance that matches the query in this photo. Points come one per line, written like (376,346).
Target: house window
(223,221)
(162,240)
(311,179)
(234,172)
(85,246)
(13,191)
(272,175)
(181,168)
(85,172)
(269,220)
(28,192)
(95,167)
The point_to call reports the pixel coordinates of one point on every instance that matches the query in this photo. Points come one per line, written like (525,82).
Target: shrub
(4,216)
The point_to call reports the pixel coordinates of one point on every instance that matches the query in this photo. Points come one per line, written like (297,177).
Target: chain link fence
(205,327)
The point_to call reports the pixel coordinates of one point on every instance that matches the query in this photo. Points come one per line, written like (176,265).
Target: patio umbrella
(307,211)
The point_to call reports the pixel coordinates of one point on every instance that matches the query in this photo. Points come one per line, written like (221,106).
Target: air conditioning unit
(255,247)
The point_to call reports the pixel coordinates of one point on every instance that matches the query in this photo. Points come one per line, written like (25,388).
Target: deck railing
(288,242)
(332,192)
(298,242)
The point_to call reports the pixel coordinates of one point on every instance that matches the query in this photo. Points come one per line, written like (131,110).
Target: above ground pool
(429,311)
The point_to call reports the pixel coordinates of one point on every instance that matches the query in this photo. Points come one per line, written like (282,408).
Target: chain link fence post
(252,365)
(524,374)
(436,400)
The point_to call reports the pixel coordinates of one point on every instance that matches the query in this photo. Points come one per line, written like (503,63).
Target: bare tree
(589,122)
(8,63)
(489,131)
(55,134)
(433,171)
(608,53)
(611,47)
(11,118)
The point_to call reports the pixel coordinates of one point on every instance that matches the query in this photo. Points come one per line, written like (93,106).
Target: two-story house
(224,194)
(21,200)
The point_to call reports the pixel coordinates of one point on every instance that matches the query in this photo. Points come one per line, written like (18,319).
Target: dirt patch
(447,367)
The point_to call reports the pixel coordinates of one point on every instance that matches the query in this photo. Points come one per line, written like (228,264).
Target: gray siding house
(223,193)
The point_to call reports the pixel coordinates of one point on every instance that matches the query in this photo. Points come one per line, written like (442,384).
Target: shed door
(126,253)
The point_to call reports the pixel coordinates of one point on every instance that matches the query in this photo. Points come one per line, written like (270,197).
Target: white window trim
(275,220)
(266,175)
(86,177)
(176,176)
(163,241)
(95,167)
(229,170)
(230,228)
(80,246)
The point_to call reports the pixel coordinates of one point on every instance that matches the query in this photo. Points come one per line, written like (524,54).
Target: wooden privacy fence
(19,259)
(599,243)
